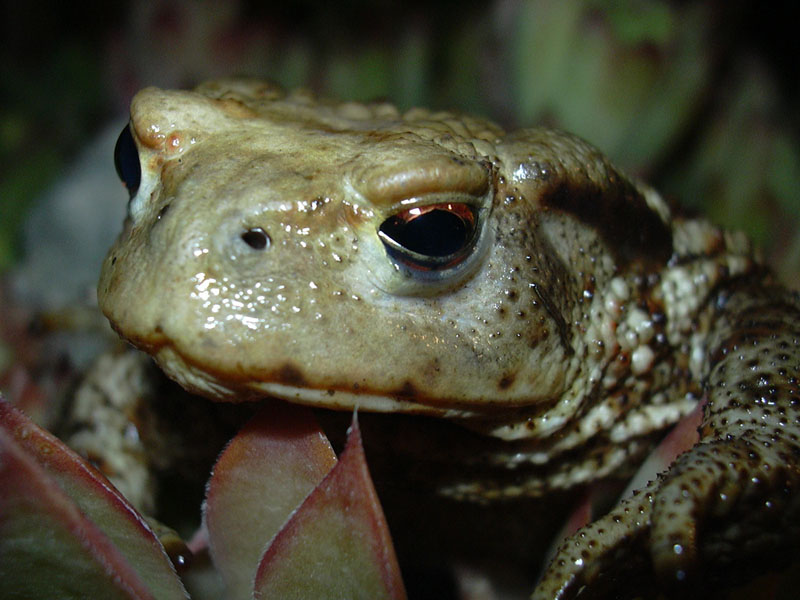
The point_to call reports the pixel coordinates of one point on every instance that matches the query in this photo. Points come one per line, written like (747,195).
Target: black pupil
(126,160)
(437,232)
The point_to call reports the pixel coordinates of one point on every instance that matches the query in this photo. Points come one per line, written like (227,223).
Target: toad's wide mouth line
(203,379)
(288,383)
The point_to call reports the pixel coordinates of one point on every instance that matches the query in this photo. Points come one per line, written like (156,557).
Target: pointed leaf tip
(337,544)
(260,478)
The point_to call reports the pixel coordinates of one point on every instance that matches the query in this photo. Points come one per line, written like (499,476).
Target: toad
(517,284)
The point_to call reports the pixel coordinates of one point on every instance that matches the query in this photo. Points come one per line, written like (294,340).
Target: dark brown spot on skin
(407,390)
(620,216)
(290,375)
(506,382)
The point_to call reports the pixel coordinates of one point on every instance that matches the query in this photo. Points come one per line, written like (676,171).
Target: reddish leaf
(48,549)
(337,544)
(261,477)
(66,503)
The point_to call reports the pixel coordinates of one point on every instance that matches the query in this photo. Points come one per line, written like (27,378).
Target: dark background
(698,97)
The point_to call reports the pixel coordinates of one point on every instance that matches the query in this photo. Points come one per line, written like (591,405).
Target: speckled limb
(730,504)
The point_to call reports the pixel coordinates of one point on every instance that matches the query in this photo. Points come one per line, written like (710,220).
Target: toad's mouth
(205,381)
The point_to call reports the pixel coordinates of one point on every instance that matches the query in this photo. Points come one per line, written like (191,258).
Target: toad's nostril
(256,238)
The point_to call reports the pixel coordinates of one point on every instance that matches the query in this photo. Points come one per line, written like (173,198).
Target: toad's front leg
(729,508)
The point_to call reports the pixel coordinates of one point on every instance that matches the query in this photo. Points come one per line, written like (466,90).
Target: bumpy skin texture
(575,320)
(729,508)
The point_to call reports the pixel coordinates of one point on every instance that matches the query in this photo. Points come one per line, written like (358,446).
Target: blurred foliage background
(700,98)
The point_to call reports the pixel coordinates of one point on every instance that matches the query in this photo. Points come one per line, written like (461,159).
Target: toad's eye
(126,160)
(431,237)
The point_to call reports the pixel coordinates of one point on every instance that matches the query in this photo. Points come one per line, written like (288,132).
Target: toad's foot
(727,509)
(724,508)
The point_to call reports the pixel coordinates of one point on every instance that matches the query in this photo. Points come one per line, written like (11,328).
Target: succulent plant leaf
(337,544)
(65,531)
(261,477)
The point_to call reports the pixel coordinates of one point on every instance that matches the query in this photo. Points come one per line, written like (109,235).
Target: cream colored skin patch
(347,255)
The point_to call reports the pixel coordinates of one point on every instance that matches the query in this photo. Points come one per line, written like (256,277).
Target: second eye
(126,161)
